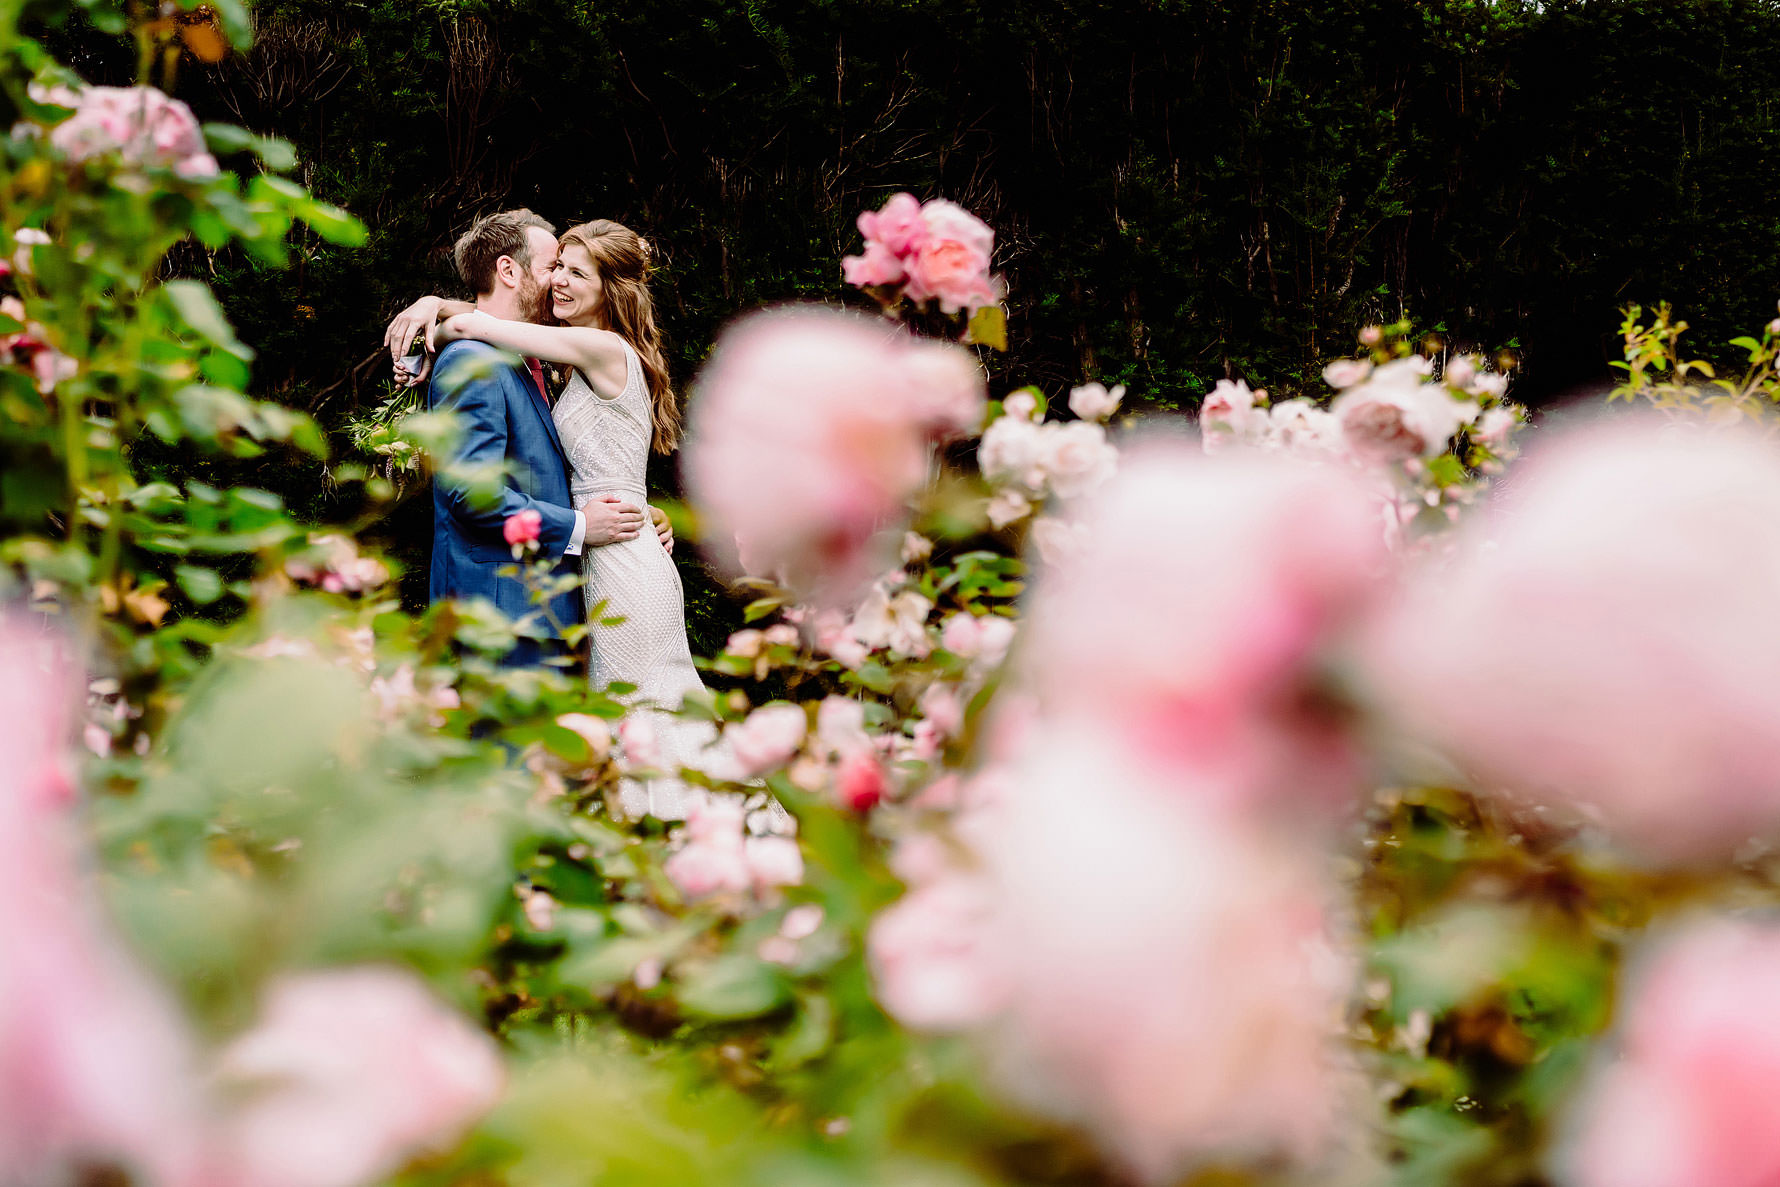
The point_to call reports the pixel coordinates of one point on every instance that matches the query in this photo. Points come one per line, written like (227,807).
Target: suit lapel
(525,380)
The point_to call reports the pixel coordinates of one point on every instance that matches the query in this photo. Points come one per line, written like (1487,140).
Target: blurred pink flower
(712,860)
(897,622)
(859,782)
(1093,401)
(840,726)
(637,742)
(811,430)
(898,226)
(1346,372)
(348,1075)
(981,637)
(1205,655)
(1396,416)
(1077,457)
(772,862)
(1149,969)
(951,260)
(1604,637)
(145,127)
(522,527)
(878,265)
(1689,1100)
(1229,411)
(96,1063)
(927,960)
(767,738)
(1007,507)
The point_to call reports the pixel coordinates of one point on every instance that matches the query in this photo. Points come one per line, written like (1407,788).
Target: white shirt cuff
(577,537)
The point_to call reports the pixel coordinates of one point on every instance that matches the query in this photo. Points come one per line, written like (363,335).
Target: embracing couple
(579,462)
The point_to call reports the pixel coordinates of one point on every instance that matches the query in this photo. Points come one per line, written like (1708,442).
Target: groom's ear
(506,271)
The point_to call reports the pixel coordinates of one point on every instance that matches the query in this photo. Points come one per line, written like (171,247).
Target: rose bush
(1298,837)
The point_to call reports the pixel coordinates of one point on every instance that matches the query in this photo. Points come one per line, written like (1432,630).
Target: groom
(504,412)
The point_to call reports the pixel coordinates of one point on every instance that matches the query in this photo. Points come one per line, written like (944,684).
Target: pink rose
(1228,412)
(348,1075)
(1343,373)
(522,527)
(1602,641)
(926,957)
(879,265)
(840,726)
(1092,401)
(1077,457)
(984,638)
(1689,1099)
(637,741)
(767,739)
(772,862)
(951,262)
(144,126)
(1204,656)
(896,622)
(859,782)
(810,432)
(898,226)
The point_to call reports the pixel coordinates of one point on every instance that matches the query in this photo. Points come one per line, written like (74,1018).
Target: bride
(618,405)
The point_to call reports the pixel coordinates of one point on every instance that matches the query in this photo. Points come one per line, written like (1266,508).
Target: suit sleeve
(471,383)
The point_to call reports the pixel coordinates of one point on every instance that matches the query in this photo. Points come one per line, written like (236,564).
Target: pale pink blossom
(840,726)
(833,636)
(1689,1099)
(916,548)
(638,744)
(713,859)
(97,1065)
(1491,384)
(981,637)
(1076,457)
(745,644)
(1460,371)
(1395,416)
(595,731)
(1299,426)
(810,432)
(772,862)
(1371,336)
(1204,655)
(1604,638)
(1495,427)
(1344,373)
(1007,507)
(1094,401)
(348,1075)
(1147,968)
(767,739)
(926,957)
(780,634)
(1229,412)
(1013,451)
(951,261)
(333,563)
(1057,539)
(897,622)
(141,124)
(1021,405)
(941,705)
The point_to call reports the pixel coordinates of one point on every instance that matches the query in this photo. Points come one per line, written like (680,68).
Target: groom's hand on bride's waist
(610,520)
(663,529)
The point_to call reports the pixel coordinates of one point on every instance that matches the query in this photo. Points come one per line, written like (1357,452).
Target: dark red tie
(537,370)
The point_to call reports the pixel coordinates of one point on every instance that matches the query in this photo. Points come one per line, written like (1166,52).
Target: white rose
(1092,401)
(1077,457)
(1012,451)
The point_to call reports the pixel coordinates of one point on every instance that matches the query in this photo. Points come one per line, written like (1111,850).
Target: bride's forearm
(451,307)
(574,346)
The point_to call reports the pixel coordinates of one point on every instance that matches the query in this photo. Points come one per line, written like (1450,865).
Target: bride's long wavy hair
(622,257)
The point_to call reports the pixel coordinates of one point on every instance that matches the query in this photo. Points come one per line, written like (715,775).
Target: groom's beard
(534,300)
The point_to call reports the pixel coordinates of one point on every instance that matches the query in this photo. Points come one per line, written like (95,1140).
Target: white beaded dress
(607,443)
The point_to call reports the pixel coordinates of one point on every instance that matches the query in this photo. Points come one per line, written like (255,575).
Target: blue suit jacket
(505,423)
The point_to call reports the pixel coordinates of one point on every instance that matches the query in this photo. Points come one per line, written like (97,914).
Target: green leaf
(332,223)
(227,138)
(735,986)
(202,586)
(759,608)
(197,307)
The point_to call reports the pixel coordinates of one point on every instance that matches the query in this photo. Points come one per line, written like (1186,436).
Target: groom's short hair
(488,239)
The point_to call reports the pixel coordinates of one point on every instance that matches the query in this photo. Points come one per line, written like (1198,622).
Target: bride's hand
(418,319)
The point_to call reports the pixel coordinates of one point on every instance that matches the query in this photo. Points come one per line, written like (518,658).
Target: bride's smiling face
(575,287)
